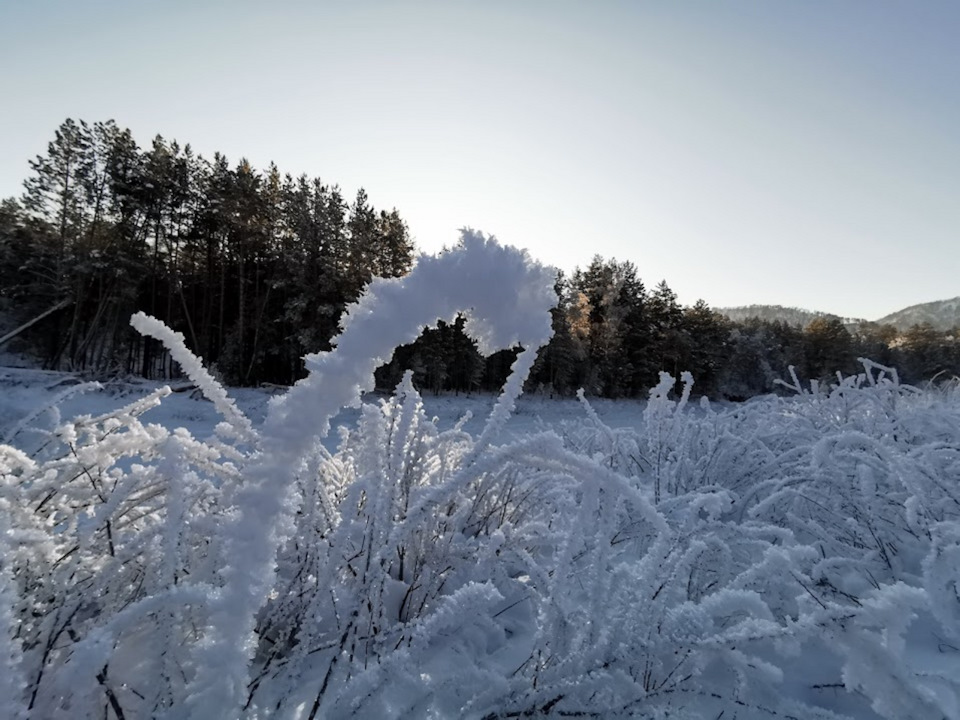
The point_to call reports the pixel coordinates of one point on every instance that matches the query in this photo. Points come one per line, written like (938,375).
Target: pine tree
(637,362)
(362,245)
(829,349)
(554,371)
(929,354)
(393,250)
(256,269)
(709,334)
(20,255)
(56,192)
(669,346)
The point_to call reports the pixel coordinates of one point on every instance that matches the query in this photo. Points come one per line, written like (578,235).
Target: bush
(745,561)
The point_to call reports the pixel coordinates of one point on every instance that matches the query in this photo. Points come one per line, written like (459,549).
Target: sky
(796,153)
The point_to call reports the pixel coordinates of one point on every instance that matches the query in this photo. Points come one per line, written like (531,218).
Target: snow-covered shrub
(861,482)
(715,562)
(111,525)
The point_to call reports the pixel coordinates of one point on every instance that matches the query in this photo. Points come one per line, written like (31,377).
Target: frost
(791,557)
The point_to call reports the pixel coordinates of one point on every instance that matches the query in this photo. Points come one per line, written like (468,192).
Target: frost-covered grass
(784,558)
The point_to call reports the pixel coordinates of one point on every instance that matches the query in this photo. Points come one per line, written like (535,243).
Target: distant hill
(942,314)
(772,313)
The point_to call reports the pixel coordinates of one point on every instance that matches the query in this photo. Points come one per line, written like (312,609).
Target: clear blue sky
(799,153)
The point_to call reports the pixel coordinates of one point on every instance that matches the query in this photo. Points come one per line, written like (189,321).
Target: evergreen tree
(708,334)
(22,264)
(829,349)
(637,366)
(668,343)
(876,342)
(609,294)
(928,354)
(255,269)
(554,370)
(393,251)
(362,247)
(55,193)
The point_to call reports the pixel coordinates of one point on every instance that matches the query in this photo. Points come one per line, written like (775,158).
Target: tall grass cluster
(783,558)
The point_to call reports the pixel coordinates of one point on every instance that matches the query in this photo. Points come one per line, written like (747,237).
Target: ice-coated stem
(390,313)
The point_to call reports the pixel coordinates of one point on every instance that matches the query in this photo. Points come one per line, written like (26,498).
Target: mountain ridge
(941,314)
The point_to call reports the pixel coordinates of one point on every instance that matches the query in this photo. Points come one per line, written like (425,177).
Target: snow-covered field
(784,558)
(23,391)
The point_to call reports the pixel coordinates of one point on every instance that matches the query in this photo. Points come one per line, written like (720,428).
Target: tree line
(255,268)
(613,336)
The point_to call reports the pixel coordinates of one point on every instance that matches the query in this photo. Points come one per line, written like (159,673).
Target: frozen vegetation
(783,558)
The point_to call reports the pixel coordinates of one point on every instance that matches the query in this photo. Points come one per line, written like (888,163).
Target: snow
(198,552)
(27,390)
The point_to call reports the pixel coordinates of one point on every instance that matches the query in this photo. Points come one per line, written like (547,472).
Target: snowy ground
(24,390)
(814,676)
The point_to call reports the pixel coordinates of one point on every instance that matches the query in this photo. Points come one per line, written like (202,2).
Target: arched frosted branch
(390,313)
